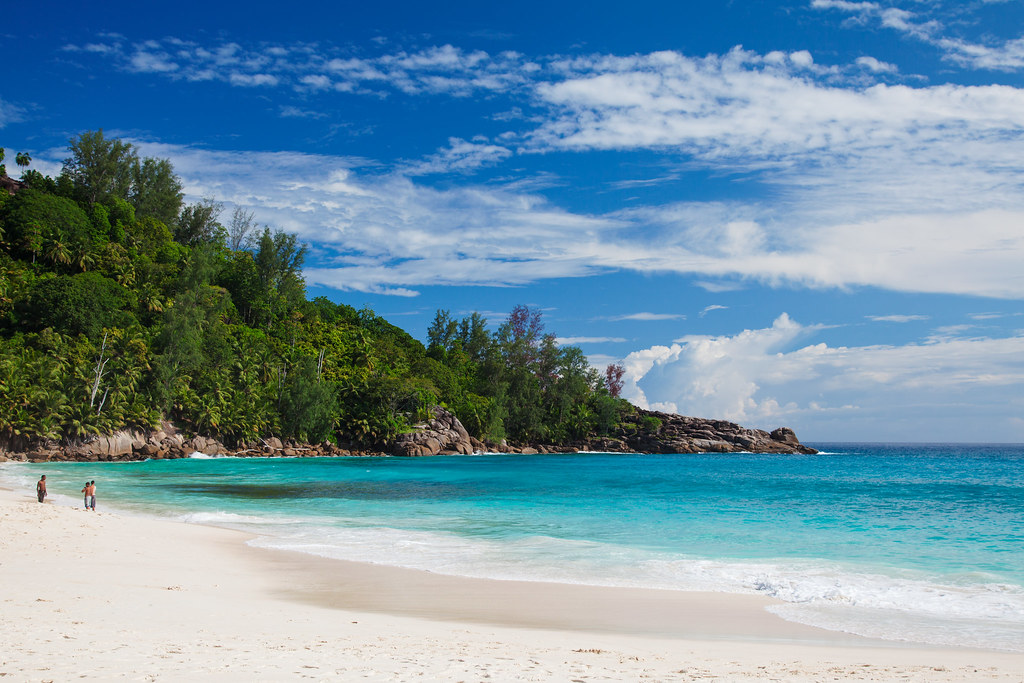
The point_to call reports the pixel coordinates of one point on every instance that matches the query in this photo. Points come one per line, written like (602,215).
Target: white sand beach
(108,596)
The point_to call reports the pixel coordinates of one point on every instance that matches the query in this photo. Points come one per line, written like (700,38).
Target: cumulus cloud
(956,388)
(876,66)
(723,382)
(253,80)
(145,61)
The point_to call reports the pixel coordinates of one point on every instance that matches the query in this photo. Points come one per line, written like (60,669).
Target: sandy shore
(110,597)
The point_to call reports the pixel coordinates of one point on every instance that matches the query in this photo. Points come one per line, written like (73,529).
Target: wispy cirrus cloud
(307,67)
(459,156)
(292,112)
(896,318)
(992,315)
(885,185)
(1007,55)
(712,307)
(10,113)
(646,316)
(571,341)
(753,111)
(387,234)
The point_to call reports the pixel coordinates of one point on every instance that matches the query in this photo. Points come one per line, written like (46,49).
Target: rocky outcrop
(645,431)
(164,443)
(10,185)
(648,431)
(656,432)
(443,434)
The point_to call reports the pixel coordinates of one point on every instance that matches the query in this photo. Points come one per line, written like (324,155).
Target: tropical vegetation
(122,306)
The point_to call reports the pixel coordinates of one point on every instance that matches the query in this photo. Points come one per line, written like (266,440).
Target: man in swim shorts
(41,488)
(92,495)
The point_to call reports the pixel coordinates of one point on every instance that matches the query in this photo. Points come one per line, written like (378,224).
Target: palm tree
(57,250)
(150,297)
(84,258)
(22,159)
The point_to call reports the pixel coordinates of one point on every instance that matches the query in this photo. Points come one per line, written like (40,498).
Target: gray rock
(785,435)
(442,433)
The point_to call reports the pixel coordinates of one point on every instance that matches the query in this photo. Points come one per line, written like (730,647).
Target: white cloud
(645,316)
(897,318)
(295,112)
(10,113)
(953,388)
(992,315)
(905,188)
(718,287)
(721,382)
(712,307)
(386,231)
(253,80)
(152,62)
(460,155)
(947,332)
(738,110)
(1007,55)
(876,66)
(440,69)
(99,48)
(387,234)
(315,81)
(845,5)
(969,253)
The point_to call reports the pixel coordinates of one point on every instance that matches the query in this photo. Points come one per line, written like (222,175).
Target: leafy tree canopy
(120,306)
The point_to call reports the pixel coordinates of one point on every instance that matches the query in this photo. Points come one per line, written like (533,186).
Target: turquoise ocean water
(921,543)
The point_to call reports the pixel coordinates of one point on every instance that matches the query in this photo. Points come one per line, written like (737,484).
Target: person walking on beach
(92,495)
(85,493)
(41,488)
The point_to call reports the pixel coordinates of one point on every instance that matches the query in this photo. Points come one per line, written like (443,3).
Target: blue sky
(804,213)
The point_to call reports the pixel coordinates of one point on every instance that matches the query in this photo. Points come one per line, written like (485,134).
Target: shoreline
(642,612)
(117,596)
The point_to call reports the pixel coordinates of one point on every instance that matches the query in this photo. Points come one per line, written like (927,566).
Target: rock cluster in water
(648,431)
(443,434)
(681,434)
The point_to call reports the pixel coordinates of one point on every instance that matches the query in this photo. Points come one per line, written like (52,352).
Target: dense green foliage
(120,307)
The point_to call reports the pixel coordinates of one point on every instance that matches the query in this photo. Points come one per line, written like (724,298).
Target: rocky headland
(645,431)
